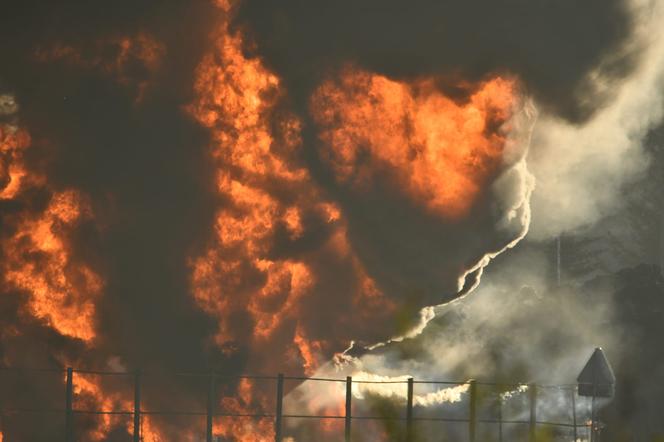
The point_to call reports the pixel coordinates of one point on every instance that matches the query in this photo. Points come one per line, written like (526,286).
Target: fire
(38,258)
(441,152)
(13,142)
(310,351)
(39,262)
(244,429)
(89,395)
(267,193)
(237,99)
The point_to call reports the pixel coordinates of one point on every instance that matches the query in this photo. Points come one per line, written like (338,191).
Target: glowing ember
(440,151)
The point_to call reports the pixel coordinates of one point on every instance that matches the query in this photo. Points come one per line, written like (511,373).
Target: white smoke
(579,173)
(581,170)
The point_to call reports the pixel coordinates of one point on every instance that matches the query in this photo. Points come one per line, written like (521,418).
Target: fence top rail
(35,370)
(221,375)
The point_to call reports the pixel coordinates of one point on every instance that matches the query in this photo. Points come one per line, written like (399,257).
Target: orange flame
(244,429)
(237,96)
(255,146)
(89,395)
(13,142)
(38,259)
(440,151)
(38,262)
(310,351)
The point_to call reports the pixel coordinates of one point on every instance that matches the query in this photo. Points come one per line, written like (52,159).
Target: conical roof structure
(597,378)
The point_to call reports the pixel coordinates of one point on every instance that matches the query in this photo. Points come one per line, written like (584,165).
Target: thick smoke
(100,89)
(598,176)
(582,170)
(105,93)
(558,49)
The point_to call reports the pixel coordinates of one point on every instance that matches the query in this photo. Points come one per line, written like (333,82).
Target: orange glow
(13,142)
(236,98)
(244,429)
(88,395)
(438,153)
(256,144)
(309,350)
(256,148)
(441,152)
(61,294)
(38,261)
(114,56)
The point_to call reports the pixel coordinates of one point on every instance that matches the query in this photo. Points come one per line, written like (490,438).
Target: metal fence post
(409,412)
(280,400)
(593,433)
(349,398)
(210,408)
(137,406)
(69,414)
(574,413)
(532,389)
(472,421)
(500,418)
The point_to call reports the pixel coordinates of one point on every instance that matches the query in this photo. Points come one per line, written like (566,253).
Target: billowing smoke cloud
(514,327)
(251,186)
(97,94)
(558,49)
(519,324)
(582,170)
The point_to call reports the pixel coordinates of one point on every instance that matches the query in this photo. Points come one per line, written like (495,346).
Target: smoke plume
(255,186)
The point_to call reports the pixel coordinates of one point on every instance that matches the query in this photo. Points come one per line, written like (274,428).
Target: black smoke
(141,161)
(552,46)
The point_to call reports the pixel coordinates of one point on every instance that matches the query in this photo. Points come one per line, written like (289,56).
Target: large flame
(256,147)
(442,154)
(38,262)
(37,257)
(440,151)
